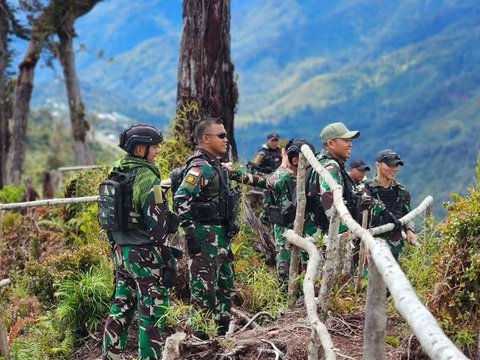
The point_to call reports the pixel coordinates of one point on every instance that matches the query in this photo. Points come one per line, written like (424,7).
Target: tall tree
(206,84)
(9,26)
(80,126)
(48,23)
(4,134)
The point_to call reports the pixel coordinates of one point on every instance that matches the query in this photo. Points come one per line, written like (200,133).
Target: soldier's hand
(411,237)
(284,163)
(390,218)
(169,278)
(193,241)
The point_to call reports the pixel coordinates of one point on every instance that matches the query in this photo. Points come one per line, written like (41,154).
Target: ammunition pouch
(232,204)
(173,221)
(232,229)
(283,216)
(204,211)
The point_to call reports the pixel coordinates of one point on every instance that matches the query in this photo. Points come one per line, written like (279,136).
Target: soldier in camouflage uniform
(144,265)
(206,204)
(283,184)
(394,196)
(337,147)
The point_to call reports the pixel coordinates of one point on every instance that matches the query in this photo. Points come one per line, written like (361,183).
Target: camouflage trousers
(211,273)
(137,286)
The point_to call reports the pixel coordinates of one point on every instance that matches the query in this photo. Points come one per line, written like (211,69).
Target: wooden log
(375,316)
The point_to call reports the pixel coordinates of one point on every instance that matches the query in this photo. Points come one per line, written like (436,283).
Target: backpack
(114,202)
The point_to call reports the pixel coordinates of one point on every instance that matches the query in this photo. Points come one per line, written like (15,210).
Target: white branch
(309,291)
(78,168)
(49,202)
(406,219)
(4,282)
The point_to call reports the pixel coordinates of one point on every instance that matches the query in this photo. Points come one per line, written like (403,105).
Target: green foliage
(44,339)
(12,194)
(84,300)
(395,342)
(263,291)
(184,316)
(455,300)
(13,219)
(38,281)
(419,262)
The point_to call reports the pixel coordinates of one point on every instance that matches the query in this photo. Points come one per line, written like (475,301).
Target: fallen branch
(278,353)
(243,316)
(256,316)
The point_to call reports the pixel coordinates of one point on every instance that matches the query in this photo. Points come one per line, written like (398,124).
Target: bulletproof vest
(314,204)
(217,203)
(284,214)
(394,198)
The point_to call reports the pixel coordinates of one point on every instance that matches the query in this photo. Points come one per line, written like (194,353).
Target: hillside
(405,74)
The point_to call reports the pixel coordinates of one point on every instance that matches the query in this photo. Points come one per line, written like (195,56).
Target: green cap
(337,131)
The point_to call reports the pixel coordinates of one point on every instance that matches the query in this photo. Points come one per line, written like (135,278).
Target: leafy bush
(12,194)
(189,317)
(84,301)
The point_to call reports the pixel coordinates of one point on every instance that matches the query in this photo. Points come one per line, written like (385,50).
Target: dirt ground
(290,335)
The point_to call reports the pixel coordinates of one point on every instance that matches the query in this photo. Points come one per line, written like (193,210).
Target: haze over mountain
(406,74)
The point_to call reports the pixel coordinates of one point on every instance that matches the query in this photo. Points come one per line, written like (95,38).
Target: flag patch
(192,176)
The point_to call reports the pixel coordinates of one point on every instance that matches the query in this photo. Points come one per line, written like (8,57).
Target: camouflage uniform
(319,189)
(140,259)
(396,198)
(283,185)
(205,203)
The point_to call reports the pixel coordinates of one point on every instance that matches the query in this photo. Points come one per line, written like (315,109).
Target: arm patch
(157,191)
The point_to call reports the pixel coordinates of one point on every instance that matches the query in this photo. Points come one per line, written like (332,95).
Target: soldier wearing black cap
(268,157)
(394,196)
(358,170)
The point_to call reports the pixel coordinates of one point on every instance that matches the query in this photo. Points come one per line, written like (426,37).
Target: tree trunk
(205,71)
(49,22)
(21,109)
(4,134)
(66,56)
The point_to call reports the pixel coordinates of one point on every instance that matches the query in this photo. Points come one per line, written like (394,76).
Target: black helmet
(139,134)
(293,148)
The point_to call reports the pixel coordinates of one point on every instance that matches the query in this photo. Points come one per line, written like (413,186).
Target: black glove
(367,202)
(388,217)
(169,278)
(193,242)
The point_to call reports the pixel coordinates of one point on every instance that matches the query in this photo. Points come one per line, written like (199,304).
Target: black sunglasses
(221,135)
(390,156)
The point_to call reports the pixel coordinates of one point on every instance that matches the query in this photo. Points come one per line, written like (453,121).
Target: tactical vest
(284,214)
(217,203)
(116,212)
(395,198)
(314,204)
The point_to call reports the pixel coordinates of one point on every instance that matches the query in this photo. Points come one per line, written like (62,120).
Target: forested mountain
(406,74)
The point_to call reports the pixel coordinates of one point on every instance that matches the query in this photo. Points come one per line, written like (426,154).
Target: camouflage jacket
(148,205)
(206,181)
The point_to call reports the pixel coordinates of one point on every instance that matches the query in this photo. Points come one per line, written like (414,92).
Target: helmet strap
(147,150)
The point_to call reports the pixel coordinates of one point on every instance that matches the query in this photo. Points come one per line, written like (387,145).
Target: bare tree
(206,84)
(4,134)
(80,126)
(48,23)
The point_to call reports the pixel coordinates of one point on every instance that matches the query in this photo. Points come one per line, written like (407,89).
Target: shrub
(84,300)
(12,194)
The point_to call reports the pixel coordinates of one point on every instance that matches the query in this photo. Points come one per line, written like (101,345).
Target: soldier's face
(216,140)
(153,153)
(357,174)
(273,143)
(386,171)
(340,148)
